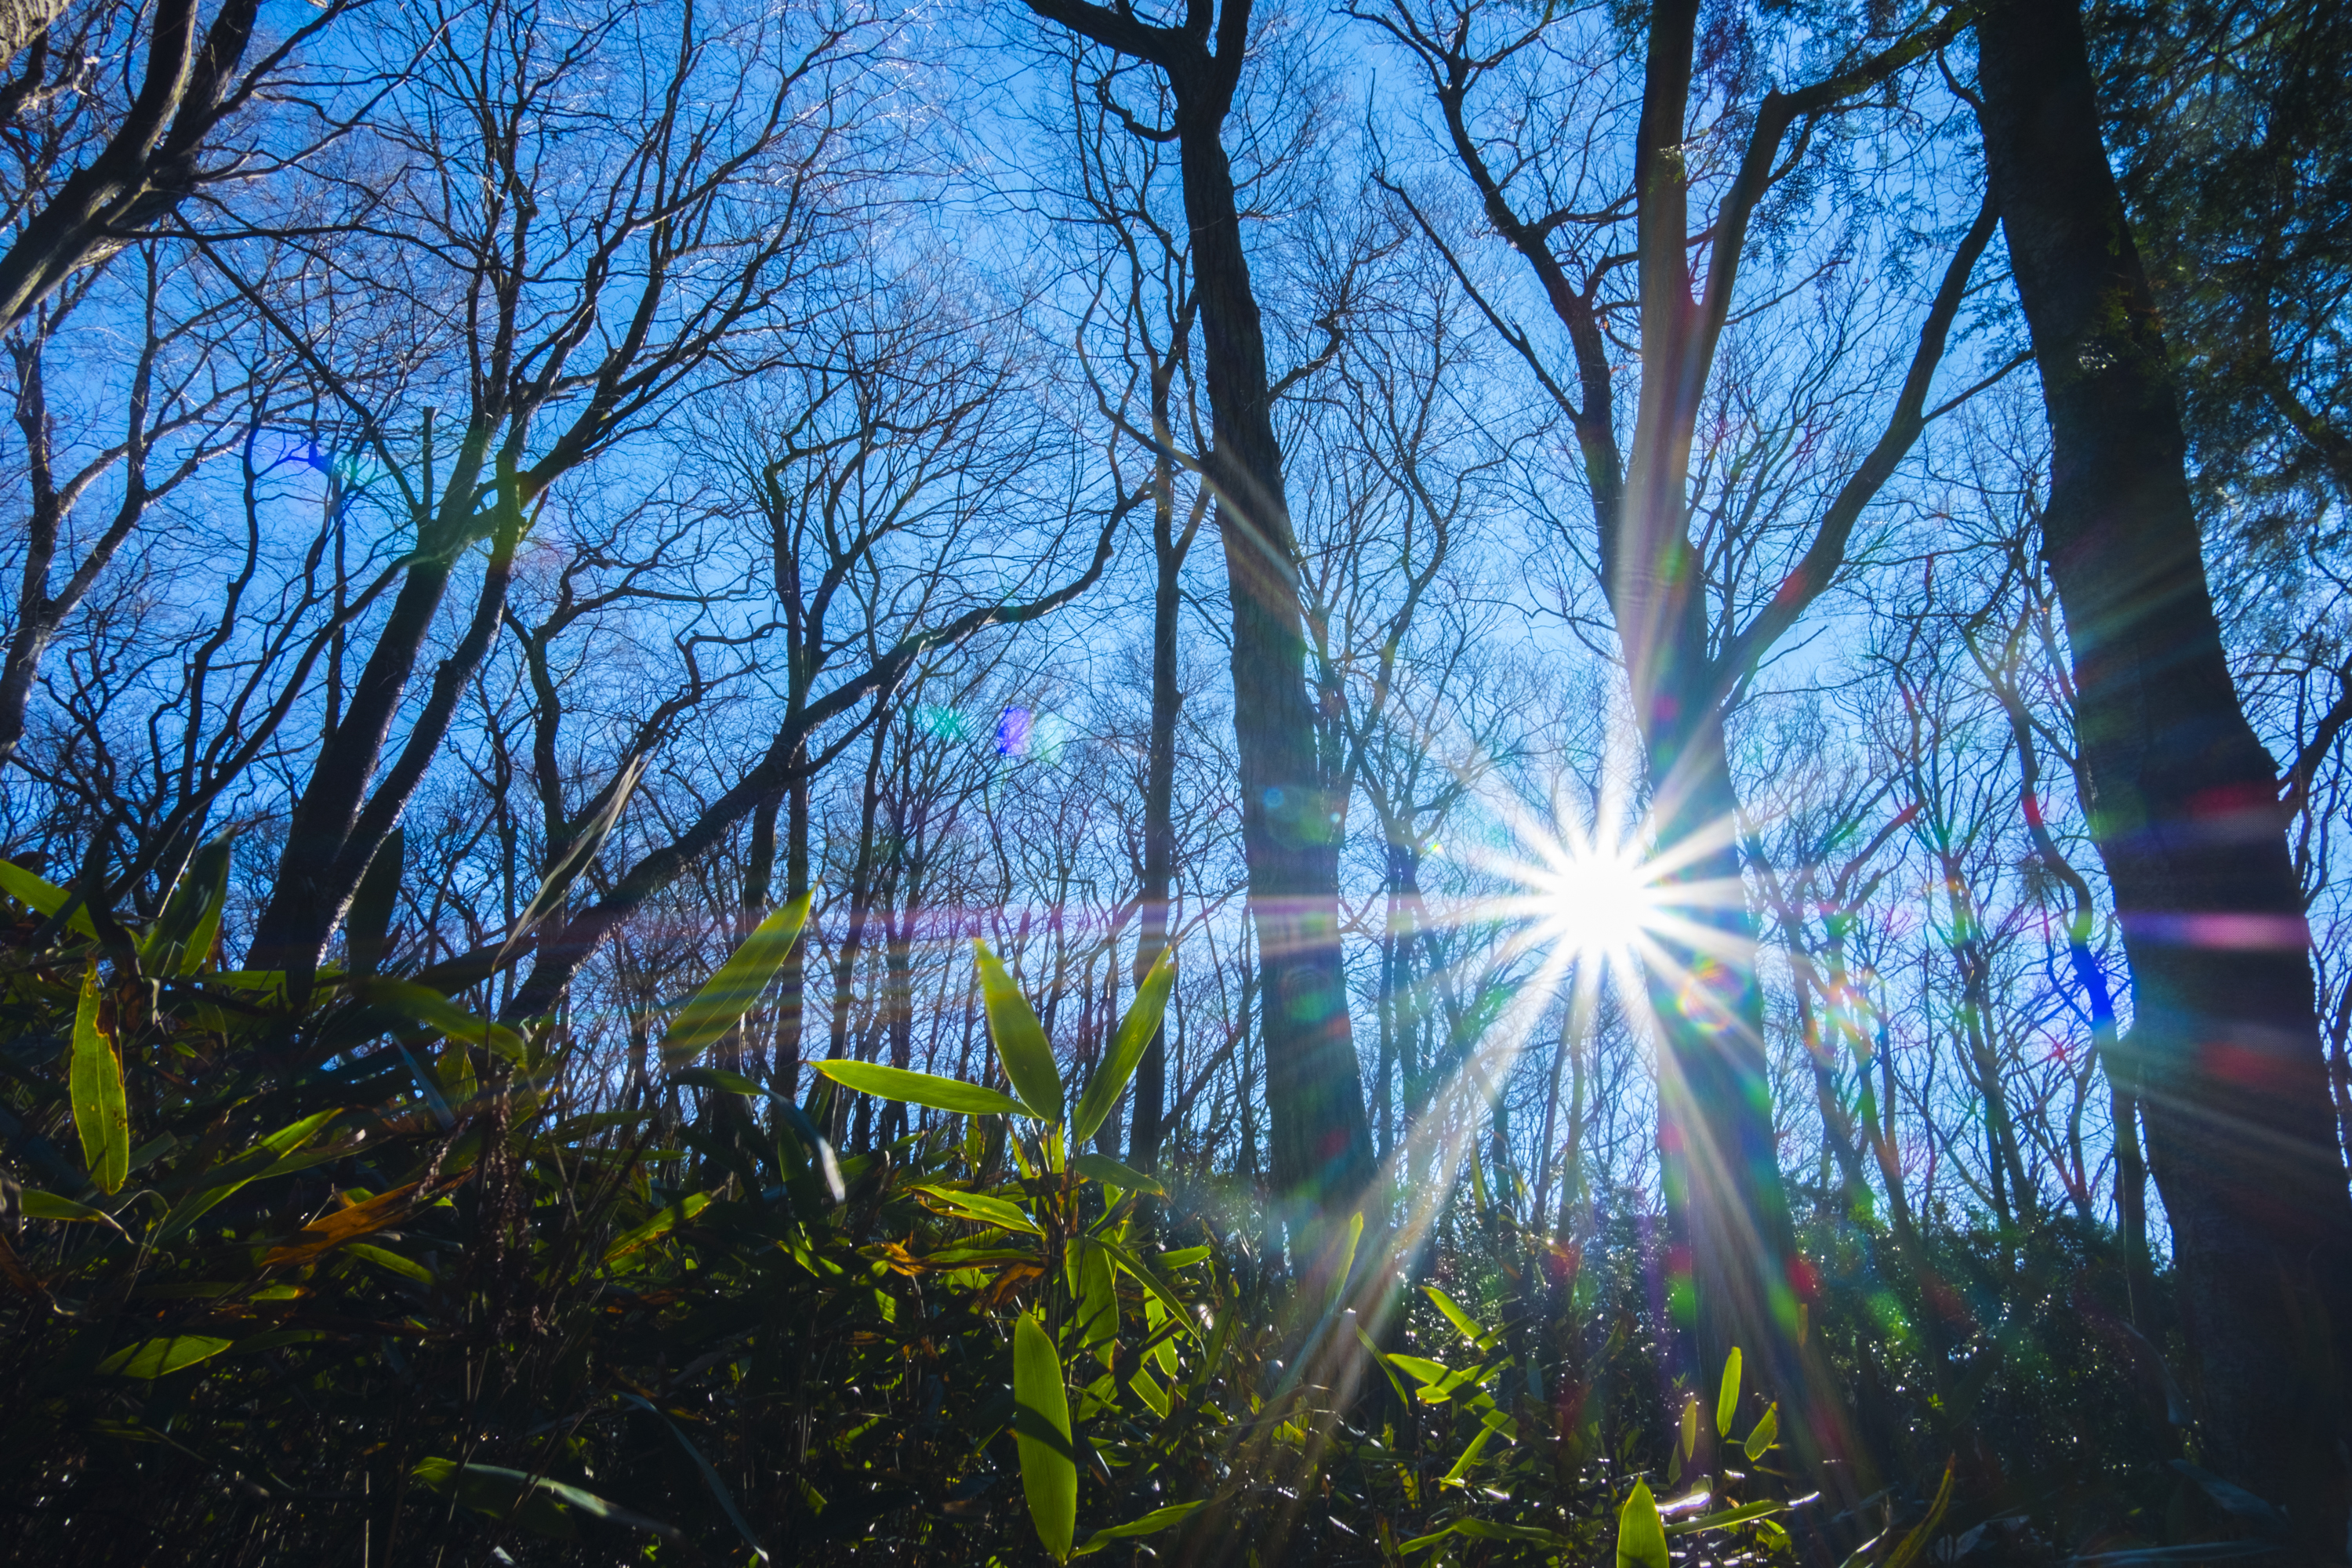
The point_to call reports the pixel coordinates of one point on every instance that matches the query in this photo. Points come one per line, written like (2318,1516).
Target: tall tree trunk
(2224,1043)
(1322,1145)
(1733,1285)
(1168,549)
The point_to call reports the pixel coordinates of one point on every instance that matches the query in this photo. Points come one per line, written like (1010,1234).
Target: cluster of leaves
(333,1264)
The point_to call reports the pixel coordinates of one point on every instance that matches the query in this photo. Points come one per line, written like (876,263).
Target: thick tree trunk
(2225,1043)
(1322,1146)
(1729,1210)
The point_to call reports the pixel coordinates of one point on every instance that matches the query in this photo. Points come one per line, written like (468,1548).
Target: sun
(1593,900)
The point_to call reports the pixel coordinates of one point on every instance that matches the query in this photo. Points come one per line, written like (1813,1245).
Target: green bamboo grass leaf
(427,1006)
(1729,1516)
(160,1358)
(494,1489)
(1727,1399)
(1097,1302)
(919,1089)
(1019,1039)
(1690,1425)
(1151,1523)
(1641,1534)
(1127,1047)
(585,843)
(101,1114)
(1767,1430)
(34,1203)
(1487,1530)
(727,996)
(1344,1262)
(661,1225)
(1464,1324)
(1103,1168)
(42,896)
(191,916)
(981,1209)
(1041,1429)
(710,1477)
(1157,1286)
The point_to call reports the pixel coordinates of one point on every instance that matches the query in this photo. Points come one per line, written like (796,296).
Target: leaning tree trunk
(2224,1042)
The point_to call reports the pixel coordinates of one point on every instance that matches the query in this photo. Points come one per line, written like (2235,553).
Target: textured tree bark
(2184,807)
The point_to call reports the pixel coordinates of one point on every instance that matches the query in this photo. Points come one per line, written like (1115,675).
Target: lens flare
(1594,901)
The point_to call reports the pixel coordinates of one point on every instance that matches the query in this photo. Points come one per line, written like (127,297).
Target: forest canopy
(1414,781)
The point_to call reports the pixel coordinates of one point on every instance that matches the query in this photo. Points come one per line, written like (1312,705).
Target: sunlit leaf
(101,1114)
(1727,1399)
(884,1082)
(1344,1260)
(1767,1430)
(1019,1039)
(661,1225)
(42,896)
(1103,1168)
(422,1004)
(1041,1427)
(332,1230)
(1464,1324)
(37,1204)
(1125,1052)
(728,994)
(981,1208)
(160,1358)
(1153,1283)
(1728,1517)
(1097,1301)
(1151,1523)
(1641,1534)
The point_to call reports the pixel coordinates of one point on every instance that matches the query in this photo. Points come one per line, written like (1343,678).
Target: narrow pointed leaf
(1041,1429)
(1020,1039)
(1767,1430)
(1727,1399)
(159,1358)
(981,1208)
(1103,1168)
(576,856)
(727,996)
(885,1082)
(1641,1534)
(191,916)
(42,896)
(1464,1324)
(1151,1523)
(1729,1516)
(1127,1046)
(1345,1261)
(419,1002)
(99,1112)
